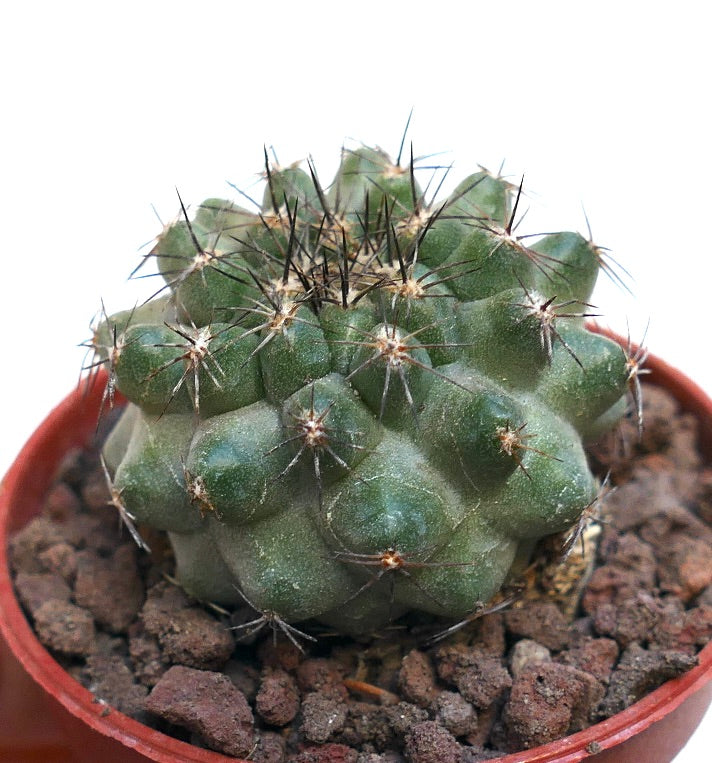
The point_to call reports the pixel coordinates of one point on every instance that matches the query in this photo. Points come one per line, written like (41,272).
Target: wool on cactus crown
(359,400)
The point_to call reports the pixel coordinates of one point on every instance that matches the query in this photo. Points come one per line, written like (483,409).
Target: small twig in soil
(361,687)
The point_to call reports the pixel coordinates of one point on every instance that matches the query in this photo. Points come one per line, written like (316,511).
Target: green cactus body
(356,403)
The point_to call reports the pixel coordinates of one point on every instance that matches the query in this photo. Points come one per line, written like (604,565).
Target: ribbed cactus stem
(359,401)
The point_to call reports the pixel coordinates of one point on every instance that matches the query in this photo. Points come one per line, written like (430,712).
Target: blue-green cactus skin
(354,403)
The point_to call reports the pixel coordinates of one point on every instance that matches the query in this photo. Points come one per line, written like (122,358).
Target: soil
(510,680)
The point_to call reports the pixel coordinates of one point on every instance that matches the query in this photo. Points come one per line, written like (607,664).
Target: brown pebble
(581,629)
(146,656)
(27,544)
(109,646)
(490,635)
(271,747)
(455,713)
(110,588)
(321,674)
(677,523)
(187,634)
(277,701)
(636,557)
(326,753)
(640,671)
(478,755)
(704,486)
(485,721)
(279,653)
(244,676)
(162,600)
(35,588)
(207,704)
(390,756)
(542,622)
(705,598)
(450,657)
(366,723)
(483,682)
(696,630)
(632,620)
(429,742)
(65,627)
(403,716)
(91,531)
(596,656)
(684,455)
(650,491)
(668,626)
(659,413)
(322,716)
(110,680)
(610,584)
(416,678)
(61,559)
(548,700)
(685,564)
(196,639)
(61,502)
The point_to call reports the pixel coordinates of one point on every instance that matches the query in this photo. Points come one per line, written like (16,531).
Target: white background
(106,108)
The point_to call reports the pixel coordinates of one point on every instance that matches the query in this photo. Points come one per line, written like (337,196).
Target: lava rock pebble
(208,704)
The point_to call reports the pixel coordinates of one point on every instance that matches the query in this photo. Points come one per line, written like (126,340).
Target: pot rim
(23,479)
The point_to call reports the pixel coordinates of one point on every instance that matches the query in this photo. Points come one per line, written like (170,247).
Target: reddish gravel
(510,681)
(208,704)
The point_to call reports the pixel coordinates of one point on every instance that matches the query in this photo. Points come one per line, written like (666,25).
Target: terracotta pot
(45,715)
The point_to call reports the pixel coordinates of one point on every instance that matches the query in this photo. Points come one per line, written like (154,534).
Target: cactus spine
(357,402)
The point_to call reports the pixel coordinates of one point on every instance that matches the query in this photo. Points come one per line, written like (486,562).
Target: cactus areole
(359,401)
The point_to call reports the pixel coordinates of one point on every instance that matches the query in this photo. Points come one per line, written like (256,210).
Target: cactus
(359,401)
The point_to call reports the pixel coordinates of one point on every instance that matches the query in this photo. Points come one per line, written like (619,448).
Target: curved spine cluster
(358,400)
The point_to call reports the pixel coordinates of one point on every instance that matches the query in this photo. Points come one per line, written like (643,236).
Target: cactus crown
(356,402)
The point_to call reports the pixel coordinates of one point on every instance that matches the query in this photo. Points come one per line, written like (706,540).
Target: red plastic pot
(45,715)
